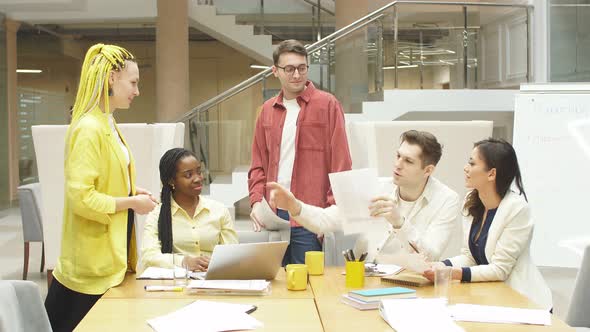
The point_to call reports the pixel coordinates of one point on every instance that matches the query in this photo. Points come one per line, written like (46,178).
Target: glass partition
(36,107)
(569,40)
(44,95)
(4,153)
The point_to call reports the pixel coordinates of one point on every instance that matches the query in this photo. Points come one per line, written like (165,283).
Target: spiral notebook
(407,278)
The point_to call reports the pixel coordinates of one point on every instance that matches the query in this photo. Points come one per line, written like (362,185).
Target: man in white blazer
(421,210)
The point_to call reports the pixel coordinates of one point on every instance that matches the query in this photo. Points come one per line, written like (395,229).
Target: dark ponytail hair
(167,172)
(498,154)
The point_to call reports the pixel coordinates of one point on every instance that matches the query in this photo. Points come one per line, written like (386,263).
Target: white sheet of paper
(269,218)
(387,269)
(153,272)
(206,316)
(353,191)
(495,314)
(406,315)
(580,131)
(251,285)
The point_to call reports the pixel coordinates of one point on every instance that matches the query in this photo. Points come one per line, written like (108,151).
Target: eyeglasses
(290,70)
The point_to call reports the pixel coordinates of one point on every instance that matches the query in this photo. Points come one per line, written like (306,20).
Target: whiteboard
(551,139)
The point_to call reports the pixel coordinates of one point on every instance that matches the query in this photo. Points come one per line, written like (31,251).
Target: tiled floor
(560,280)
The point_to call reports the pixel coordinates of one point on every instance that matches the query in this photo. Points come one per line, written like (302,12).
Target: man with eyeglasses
(299,139)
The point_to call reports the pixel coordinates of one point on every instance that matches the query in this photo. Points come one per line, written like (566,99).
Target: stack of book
(368,299)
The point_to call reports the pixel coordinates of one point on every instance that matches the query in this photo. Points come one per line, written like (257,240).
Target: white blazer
(507,251)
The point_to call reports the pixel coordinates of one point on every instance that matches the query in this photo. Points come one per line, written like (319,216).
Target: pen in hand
(414,247)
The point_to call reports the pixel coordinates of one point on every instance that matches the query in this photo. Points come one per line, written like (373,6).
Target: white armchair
(148,142)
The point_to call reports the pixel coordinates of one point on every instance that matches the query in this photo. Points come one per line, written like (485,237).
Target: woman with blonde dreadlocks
(97,244)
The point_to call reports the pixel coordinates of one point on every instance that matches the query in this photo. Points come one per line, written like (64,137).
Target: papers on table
(153,272)
(271,221)
(378,270)
(408,315)
(410,261)
(206,316)
(418,315)
(381,269)
(494,314)
(230,287)
(353,191)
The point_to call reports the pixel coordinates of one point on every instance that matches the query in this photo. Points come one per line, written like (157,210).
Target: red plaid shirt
(321,147)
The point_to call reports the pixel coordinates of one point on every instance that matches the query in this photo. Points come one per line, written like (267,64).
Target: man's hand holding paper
(384,206)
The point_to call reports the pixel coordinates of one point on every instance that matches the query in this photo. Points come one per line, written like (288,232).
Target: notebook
(377,294)
(408,278)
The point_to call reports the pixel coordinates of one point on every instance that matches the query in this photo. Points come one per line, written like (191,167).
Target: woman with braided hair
(185,223)
(97,245)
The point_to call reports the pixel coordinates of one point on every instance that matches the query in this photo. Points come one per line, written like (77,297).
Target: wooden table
(132,288)
(329,288)
(128,306)
(132,314)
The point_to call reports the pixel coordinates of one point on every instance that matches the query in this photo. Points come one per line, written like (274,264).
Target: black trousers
(65,307)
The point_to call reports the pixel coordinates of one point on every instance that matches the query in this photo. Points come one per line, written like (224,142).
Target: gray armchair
(334,244)
(577,315)
(30,208)
(21,307)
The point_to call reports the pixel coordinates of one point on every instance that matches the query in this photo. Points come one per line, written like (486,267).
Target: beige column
(172,79)
(351,59)
(12,106)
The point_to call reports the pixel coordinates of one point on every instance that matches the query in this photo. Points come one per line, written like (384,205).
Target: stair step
(225,29)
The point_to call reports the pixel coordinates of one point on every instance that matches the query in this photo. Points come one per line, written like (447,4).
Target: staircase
(224,28)
(228,189)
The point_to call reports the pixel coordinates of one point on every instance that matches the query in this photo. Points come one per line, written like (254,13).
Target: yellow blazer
(94,237)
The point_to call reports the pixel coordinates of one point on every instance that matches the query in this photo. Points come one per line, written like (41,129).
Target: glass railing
(403,45)
(4,121)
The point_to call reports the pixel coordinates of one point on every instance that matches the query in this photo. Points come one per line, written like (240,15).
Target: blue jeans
(301,242)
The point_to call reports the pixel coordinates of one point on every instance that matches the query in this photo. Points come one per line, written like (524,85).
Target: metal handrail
(361,22)
(309,2)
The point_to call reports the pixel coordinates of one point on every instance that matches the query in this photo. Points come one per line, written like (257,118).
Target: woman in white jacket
(497,225)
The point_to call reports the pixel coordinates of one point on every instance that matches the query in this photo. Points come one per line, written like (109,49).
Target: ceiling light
(259,67)
(400,67)
(29,71)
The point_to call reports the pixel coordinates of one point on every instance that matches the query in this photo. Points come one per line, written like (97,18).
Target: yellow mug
(296,276)
(355,274)
(315,262)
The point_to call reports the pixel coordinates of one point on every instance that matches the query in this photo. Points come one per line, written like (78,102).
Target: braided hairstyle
(167,173)
(100,60)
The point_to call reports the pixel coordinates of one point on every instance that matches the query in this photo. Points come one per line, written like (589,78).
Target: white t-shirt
(123,147)
(287,152)
(405,207)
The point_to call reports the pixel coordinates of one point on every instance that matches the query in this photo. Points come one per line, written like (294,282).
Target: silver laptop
(246,261)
